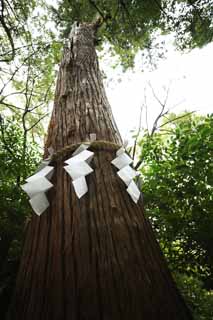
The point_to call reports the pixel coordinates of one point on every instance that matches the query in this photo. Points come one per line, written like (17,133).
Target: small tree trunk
(94,258)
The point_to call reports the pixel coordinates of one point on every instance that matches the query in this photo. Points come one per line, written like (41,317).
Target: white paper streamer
(36,187)
(121,161)
(120,151)
(78,168)
(127,174)
(85,155)
(47,172)
(43,164)
(133,191)
(81,148)
(80,186)
(41,184)
(39,203)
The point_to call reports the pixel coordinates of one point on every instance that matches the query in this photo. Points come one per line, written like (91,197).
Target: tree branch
(14,73)
(8,33)
(163,105)
(39,120)
(98,9)
(10,106)
(137,135)
(170,121)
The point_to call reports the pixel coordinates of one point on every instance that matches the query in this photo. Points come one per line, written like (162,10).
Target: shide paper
(120,151)
(80,186)
(46,172)
(43,164)
(78,168)
(39,203)
(126,173)
(81,148)
(133,191)
(40,184)
(36,187)
(121,161)
(84,155)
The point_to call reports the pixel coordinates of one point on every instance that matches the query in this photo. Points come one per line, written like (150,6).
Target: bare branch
(14,73)
(160,115)
(10,106)
(138,164)
(163,105)
(156,97)
(145,103)
(138,132)
(11,94)
(10,51)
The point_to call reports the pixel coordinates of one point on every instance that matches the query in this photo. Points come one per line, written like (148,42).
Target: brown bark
(94,258)
(81,106)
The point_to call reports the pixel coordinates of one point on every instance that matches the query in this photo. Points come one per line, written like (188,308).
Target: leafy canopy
(28,54)
(178,192)
(131,25)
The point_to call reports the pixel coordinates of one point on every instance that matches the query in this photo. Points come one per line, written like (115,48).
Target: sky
(187,75)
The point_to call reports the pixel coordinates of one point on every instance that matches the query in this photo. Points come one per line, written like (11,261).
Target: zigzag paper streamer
(126,173)
(78,167)
(36,187)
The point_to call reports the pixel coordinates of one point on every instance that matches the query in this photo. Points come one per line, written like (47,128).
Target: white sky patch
(189,76)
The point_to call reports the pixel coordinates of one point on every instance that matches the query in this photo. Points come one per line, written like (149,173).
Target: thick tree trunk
(94,258)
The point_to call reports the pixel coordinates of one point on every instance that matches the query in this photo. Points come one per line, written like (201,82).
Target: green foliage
(13,17)
(198,299)
(132,25)
(177,188)
(191,20)
(128,26)
(15,163)
(27,72)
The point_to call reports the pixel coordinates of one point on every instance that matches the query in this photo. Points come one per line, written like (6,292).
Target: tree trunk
(94,258)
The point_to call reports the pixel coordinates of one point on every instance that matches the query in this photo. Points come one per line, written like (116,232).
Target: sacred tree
(89,252)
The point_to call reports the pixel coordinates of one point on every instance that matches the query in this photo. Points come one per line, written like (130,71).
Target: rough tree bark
(94,258)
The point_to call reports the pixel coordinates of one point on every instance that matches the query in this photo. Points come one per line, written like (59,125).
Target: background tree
(13,18)
(29,51)
(14,207)
(177,187)
(98,257)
